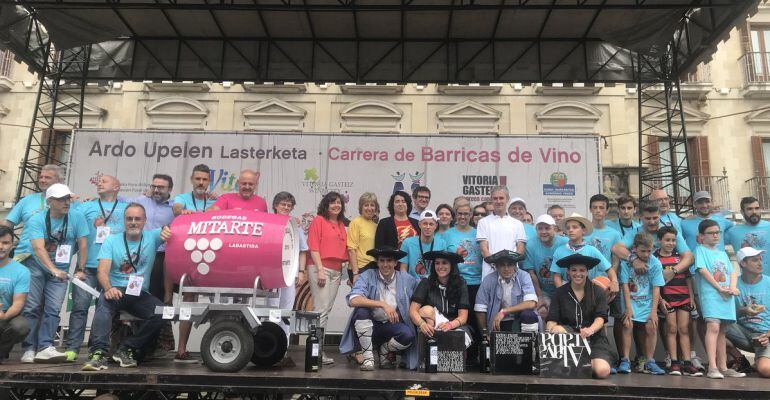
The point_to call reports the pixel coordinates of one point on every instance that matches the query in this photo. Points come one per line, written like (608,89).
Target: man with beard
(104,217)
(702,202)
(752,233)
(125,261)
(14,286)
(667,217)
(246,198)
(200,198)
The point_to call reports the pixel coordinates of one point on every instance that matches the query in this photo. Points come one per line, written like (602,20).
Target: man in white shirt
(499,231)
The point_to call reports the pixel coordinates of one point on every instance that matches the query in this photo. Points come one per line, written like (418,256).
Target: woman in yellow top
(361,235)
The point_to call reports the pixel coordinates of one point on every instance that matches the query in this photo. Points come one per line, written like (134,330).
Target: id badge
(63,254)
(101,234)
(134,285)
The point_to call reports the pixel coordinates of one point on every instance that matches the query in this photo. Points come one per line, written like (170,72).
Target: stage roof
(441,41)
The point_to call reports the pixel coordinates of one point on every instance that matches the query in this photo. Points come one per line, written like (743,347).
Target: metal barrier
(757,187)
(717,186)
(755,66)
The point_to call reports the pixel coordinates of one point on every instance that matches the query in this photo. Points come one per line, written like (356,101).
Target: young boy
(642,294)
(576,228)
(538,261)
(416,246)
(676,305)
(717,286)
(626,213)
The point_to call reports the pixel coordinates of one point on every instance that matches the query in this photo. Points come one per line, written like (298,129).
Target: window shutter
(756,154)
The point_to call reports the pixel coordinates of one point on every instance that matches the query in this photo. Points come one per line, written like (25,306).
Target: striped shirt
(675,293)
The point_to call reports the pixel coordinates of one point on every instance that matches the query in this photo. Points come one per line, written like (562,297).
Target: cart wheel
(270,345)
(226,346)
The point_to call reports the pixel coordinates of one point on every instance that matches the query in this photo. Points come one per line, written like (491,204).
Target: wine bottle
(312,352)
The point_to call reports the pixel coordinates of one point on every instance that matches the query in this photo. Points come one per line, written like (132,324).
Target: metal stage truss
(646,43)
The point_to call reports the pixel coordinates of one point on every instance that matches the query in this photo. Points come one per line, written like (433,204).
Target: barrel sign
(230,248)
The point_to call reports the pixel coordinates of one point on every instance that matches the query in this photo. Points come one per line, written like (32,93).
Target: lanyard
(195,204)
(623,228)
(62,233)
(131,260)
(422,254)
(107,217)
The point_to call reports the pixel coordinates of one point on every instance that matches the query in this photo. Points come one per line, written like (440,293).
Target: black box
(564,355)
(513,353)
(451,350)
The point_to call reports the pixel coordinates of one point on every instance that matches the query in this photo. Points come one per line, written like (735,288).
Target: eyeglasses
(422,197)
(712,233)
(463,214)
(478,214)
(158,187)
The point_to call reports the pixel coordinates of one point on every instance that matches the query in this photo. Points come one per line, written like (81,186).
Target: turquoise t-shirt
(671,219)
(615,224)
(718,264)
(114,249)
(465,244)
(26,208)
(603,239)
(14,279)
(413,258)
(587,250)
(758,293)
(531,232)
(756,236)
(640,286)
(690,229)
(539,260)
(76,229)
(193,204)
(112,218)
(681,245)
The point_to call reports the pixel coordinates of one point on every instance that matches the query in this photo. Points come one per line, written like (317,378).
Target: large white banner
(543,170)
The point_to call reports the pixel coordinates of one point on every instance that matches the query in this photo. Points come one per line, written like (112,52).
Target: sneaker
(624,366)
(125,358)
(28,357)
(185,358)
(639,367)
(367,365)
(50,355)
(675,369)
(328,360)
(740,364)
(714,374)
(96,362)
(667,360)
(613,370)
(651,367)
(697,363)
(731,373)
(689,370)
(72,355)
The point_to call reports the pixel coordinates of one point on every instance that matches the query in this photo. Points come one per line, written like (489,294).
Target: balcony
(6,69)
(758,187)
(717,186)
(756,75)
(697,84)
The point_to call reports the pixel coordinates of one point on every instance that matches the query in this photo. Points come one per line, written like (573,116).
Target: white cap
(57,191)
(700,196)
(430,214)
(748,252)
(517,200)
(545,219)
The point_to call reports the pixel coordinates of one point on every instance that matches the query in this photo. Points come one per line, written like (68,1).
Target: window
(766,156)
(760,52)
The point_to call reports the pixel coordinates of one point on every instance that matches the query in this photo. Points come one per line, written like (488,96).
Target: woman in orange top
(327,241)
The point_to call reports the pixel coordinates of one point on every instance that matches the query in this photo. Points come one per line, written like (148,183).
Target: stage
(166,379)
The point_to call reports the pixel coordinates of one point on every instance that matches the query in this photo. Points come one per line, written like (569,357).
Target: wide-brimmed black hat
(454,258)
(578,258)
(386,251)
(503,255)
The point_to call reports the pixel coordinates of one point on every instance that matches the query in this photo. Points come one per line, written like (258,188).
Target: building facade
(726,105)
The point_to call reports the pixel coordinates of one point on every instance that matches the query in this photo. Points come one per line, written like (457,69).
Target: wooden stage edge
(345,380)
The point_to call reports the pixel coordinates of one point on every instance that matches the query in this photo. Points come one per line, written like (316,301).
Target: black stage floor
(166,379)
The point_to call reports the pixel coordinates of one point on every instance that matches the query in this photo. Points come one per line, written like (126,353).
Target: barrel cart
(229,264)
(243,327)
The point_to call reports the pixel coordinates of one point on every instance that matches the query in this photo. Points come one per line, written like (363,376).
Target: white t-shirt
(501,233)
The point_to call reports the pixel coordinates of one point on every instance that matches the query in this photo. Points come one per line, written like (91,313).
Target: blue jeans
(44,301)
(81,302)
(142,307)
(382,332)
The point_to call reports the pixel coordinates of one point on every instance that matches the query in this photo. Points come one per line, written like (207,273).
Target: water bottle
(484,353)
(431,356)
(312,352)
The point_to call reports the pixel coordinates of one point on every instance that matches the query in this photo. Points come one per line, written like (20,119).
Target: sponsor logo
(313,183)
(558,186)
(416,180)
(481,185)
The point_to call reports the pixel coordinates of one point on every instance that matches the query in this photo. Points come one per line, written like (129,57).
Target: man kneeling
(380,301)
(125,266)
(506,299)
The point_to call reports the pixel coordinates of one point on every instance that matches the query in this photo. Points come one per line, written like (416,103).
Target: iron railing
(702,74)
(758,187)
(756,67)
(6,63)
